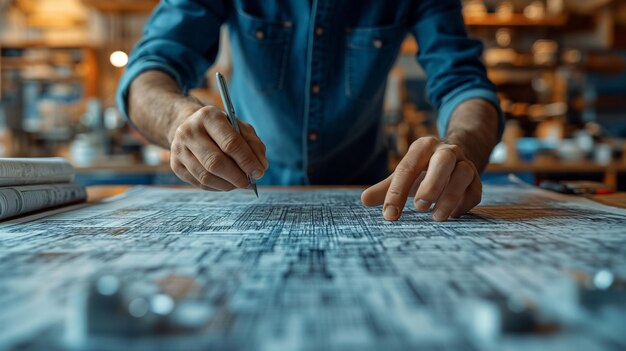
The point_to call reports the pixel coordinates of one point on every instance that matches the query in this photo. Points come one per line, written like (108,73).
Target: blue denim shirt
(310,75)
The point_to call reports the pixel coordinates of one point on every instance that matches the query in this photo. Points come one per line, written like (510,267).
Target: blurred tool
(122,307)
(577,187)
(603,289)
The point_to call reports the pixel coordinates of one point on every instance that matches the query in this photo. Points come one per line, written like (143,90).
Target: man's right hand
(207,151)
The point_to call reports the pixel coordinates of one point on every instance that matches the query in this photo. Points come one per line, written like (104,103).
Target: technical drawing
(315,270)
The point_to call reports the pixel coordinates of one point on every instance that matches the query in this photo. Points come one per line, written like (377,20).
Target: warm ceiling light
(119,59)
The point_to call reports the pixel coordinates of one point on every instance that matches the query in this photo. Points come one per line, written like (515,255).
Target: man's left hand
(433,172)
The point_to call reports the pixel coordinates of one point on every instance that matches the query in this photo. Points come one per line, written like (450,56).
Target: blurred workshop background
(560,66)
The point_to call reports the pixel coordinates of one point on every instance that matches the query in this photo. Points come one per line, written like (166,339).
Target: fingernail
(390,212)
(422,205)
(256,174)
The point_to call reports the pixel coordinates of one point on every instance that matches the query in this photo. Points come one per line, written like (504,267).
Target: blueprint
(182,269)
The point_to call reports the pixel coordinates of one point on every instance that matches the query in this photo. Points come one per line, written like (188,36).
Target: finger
(460,179)
(203,176)
(216,162)
(440,168)
(471,199)
(406,173)
(375,194)
(257,146)
(181,172)
(233,144)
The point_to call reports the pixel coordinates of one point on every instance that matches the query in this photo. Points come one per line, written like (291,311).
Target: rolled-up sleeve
(181,39)
(451,60)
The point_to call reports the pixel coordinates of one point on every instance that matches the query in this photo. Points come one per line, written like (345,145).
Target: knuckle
(465,169)
(183,131)
(176,149)
(196,127)
(429,141)
(405,168)
(446,155)
(213,162)
(245,127)
(394,193)
(402,172)
(248,163)
(455,148)
(416,145)
(215,112)
(176,166)
(214,109)
(208,109)
(204,177)
(232,143)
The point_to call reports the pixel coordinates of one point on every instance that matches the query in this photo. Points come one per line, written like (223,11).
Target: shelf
(517,20)
(556,166)
(18,62)
(45,44)
(124,168)
(409,46)
(122,6)
(543,167)
(76,78)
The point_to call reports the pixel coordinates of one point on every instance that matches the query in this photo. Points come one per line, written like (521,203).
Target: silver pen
(230,112)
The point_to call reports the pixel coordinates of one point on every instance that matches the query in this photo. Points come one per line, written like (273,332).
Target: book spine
(29,171)
(19,200)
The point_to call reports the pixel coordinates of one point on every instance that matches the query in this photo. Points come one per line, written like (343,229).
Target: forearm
(157,105)
(474,127)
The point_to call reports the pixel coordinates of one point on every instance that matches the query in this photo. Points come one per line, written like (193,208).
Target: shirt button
(319,31)
(377,43)
(287,24)
(315,89)
(312,137)
(260,34)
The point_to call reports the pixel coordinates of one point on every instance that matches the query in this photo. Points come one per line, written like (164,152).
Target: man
(310,77)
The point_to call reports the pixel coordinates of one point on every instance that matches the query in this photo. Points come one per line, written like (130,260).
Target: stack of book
(33,184)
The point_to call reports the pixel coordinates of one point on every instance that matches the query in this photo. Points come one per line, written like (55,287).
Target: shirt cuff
(450,104)
(147,64)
